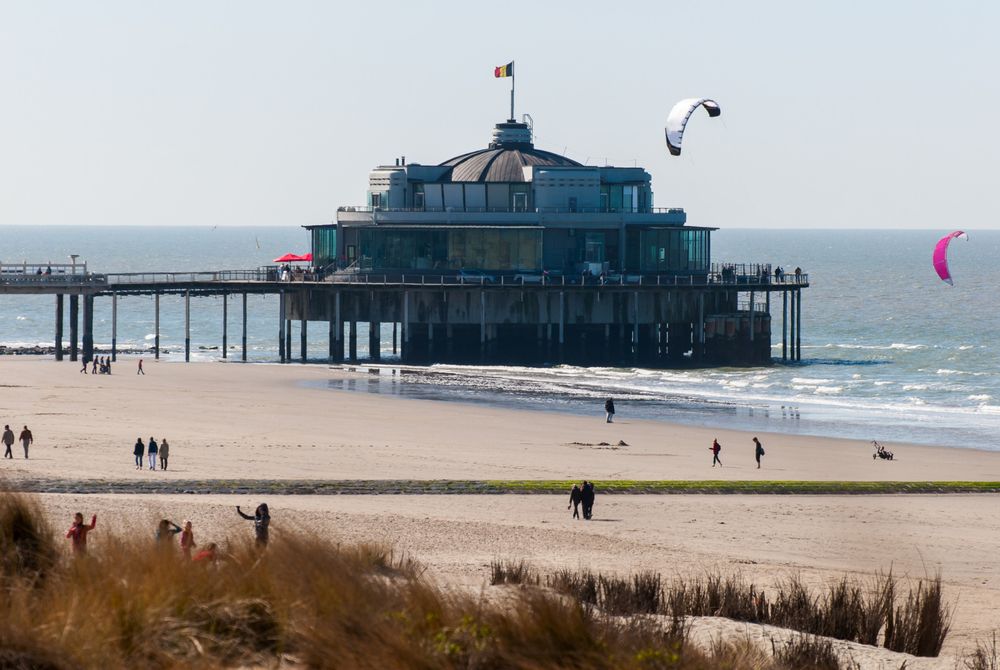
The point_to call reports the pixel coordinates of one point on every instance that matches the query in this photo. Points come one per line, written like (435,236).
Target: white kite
(678,118)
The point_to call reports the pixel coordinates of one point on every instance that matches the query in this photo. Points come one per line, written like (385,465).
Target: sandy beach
(278,422)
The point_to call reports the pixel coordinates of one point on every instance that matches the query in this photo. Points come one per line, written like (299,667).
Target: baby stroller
(881,452)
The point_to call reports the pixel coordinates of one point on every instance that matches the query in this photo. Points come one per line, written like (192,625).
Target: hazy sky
(836,114)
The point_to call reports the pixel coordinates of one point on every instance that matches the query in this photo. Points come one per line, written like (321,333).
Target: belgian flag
(504,70)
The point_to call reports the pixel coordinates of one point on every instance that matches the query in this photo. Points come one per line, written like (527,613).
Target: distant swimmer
(758,451)
(715,449)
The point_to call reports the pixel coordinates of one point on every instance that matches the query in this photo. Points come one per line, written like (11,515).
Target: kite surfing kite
(678,118)
(941,255)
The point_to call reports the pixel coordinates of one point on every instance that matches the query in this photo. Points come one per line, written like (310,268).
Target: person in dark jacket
(575,496)
(758,451)
(587,498)
(261,521)
(137,451)
(715,449)
(609,407)
(152,450)
(165,532)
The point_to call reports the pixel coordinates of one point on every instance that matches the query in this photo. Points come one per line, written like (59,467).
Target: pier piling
(303,345)
(187,326)
(59,326)
(156,325)
(288,340)
(281,327)
(225,323)
(244,358)
(74,326)
(798,324)
(784,326)
(114,327)
(88,328)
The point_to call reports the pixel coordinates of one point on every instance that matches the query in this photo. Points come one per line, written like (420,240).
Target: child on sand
(77,533)
(187,540)
(209,554)
(715,449)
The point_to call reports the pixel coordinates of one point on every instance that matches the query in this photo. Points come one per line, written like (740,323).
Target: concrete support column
(784,325)
(156,326)
(331,339)
(635,324)
(798,324)
(74,326)
(374,340)
(281,326)
(59,326)
(187,326)
(699,335)
(394,349)
(288,340)
(114,327)
(225,324)
(88,328)
(244,354)
(405,325)
(303,343)
(791,325)
(751,315)
(352,340)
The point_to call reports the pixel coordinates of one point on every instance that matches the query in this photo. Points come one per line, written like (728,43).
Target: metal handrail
(365,209)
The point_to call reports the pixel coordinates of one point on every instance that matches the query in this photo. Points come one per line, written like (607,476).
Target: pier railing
(710,279)
(259,275)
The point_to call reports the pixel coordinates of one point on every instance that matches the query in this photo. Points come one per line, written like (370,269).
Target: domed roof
(509,152)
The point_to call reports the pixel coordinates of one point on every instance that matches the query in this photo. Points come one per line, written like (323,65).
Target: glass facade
(626,197)
(675,250)
(505,249)
(324,245)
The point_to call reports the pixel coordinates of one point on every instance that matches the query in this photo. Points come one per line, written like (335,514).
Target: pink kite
(941,255)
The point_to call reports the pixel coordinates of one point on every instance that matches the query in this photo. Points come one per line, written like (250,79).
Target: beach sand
(278,422)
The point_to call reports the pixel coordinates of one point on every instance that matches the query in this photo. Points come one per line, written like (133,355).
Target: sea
(890,352)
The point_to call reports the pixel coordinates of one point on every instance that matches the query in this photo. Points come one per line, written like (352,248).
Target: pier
(722,317)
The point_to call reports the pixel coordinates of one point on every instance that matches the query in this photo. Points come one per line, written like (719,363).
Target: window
(418,196)
(376,200)
(572,204)
(520,202)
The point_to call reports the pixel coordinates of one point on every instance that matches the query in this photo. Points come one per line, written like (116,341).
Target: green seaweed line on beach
(499,486)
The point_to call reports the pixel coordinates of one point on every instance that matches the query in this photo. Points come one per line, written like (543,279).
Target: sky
(834,114)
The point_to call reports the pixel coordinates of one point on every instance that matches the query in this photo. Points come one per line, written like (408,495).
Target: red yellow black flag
(504,70)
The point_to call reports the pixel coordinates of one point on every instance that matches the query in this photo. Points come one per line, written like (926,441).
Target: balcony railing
(363,209)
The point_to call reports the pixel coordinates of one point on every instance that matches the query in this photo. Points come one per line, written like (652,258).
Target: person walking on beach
(164,453)
(575,496)
(187,540)
(77,533)
(587,498)
(139,371)
(165,531)
(758,451)
(261,521)
(8,441)
(26,440)
(715,449)
(152,450)
(84,368)
(609,407)
(137,451)
(93,370)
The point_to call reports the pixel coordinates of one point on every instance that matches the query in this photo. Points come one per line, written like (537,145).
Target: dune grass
(307,602)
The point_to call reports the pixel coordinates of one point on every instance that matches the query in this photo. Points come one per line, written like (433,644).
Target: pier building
(502,255)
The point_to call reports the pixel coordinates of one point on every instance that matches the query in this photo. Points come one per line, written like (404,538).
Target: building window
(418,200)
(376,200)
(572,204)
(520,202)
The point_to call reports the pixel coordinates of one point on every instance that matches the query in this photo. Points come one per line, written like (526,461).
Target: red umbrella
(293,258)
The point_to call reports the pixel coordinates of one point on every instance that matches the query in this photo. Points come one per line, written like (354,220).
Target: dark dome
(509,152)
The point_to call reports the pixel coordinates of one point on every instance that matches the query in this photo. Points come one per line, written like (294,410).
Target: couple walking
(582,494)
(154,450)
(716,448)
(26,438)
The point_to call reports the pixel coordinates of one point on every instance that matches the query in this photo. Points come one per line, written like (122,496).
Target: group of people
(100,365)
(153,450)
(167,529)
(26,438)
(582,494)
(758,451)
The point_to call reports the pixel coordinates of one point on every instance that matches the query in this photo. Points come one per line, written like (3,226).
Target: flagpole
(513,76)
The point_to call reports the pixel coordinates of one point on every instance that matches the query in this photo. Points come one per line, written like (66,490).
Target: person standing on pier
(8,442)
(26,440)
(139,371)
(715,449)
(137,451)
(758,451)
(609,407)
(152,451)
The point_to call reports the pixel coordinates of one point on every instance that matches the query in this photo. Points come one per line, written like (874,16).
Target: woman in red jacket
(77,533)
